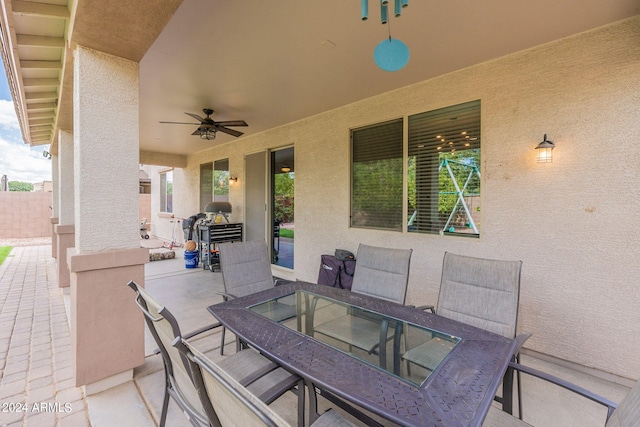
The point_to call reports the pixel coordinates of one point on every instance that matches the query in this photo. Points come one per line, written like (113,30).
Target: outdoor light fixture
(233,179)
(285,169)
(208,134)
(544,150)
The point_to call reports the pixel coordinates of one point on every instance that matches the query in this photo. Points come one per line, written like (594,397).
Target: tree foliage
(283,204)
(20,186)
(220,183)
(377,194)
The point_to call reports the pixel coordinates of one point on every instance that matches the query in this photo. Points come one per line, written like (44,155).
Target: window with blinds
(443,170)
(376,176)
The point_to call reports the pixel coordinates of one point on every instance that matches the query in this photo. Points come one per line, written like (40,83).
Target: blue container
(191,259)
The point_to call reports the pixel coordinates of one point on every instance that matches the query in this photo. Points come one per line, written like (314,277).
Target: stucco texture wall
(106,102)
(571,222)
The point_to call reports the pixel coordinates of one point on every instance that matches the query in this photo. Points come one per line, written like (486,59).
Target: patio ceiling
(268,63)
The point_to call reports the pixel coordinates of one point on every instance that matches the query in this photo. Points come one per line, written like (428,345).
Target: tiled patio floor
(35,355)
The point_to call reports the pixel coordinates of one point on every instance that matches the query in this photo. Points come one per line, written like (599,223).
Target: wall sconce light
(285,169)
(544,150)
(233,179)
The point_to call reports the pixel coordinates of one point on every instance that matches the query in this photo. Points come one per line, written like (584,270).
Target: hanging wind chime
(391,54)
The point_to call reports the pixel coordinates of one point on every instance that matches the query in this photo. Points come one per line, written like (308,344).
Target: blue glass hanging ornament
(391,55)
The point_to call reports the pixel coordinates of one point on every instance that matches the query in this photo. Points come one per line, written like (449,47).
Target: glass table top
(410,352)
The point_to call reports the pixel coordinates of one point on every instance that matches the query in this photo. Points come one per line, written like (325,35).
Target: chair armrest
(226,296)
(194,333)
(567,385)
(520,339)
(427,307)
(201,330)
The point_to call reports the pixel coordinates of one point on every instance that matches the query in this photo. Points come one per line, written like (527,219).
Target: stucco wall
(572,222)
(106,153)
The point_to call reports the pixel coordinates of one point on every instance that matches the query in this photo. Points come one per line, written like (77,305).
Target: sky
(18,160)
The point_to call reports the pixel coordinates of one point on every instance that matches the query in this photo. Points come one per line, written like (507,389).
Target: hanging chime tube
(384,14)
(364,8)
(384,2)
(405,3)
(397,8)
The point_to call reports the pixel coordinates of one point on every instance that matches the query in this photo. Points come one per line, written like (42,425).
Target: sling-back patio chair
(264,378)
(228,403)
(480,292)
(381,273)
(626,414)
(245,270)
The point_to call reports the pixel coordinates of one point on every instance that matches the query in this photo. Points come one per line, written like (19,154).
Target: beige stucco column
(54,205)
(65,229)
(106,326)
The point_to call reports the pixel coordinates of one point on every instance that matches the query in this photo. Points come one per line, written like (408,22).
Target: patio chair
(228,403)
(381,273)
(479,292)
(245,270)
(263,377)
(626,414)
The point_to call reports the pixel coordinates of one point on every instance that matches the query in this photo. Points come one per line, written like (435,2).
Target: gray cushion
(382,272)
(245,267)
(480,292)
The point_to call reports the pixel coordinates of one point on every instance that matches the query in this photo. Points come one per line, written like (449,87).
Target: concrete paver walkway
(36,384)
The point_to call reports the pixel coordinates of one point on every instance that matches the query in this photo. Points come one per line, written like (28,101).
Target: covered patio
(27,276)
(99,82)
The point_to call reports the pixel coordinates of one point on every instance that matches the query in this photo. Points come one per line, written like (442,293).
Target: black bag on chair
(335,272)
(344,255)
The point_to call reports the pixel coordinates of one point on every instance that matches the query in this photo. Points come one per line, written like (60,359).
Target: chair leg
(165,405)
(222,341)
(313,402)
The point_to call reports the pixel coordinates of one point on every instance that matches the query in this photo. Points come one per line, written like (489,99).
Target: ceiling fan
(208,127)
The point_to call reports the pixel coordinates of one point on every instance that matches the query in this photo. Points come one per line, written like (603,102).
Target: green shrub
(4,252)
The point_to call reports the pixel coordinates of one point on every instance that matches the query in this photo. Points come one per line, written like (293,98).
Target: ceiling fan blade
(232,123)
(229,131)
(197,132)
(181,123)
(195,116)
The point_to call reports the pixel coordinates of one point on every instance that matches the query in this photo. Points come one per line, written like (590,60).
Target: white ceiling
(275,62)
(268,62)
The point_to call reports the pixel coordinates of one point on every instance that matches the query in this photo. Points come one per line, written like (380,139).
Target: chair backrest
(480,292)
(164,329)
(382,272)
(245,267)
(226,401)
(627,413)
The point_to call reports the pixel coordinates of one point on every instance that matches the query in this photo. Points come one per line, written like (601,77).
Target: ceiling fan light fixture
(208,128)
(208,134)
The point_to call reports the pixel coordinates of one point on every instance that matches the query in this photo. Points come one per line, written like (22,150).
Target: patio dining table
(457,392)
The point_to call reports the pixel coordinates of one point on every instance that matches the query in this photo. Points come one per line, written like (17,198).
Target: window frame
(438,173)
(166,197)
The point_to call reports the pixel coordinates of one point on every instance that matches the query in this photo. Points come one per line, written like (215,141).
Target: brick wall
(145,208)
(24,215)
